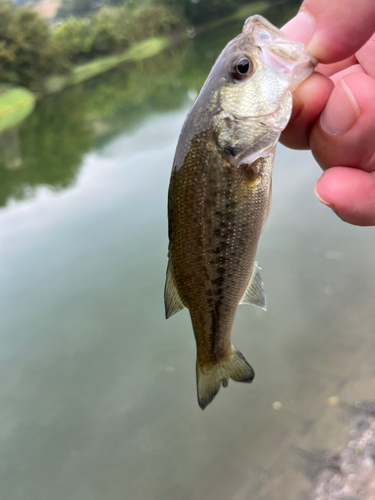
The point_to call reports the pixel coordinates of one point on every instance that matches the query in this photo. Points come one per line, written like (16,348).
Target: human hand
(334,109)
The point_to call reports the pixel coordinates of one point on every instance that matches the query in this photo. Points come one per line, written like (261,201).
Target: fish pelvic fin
(210,378)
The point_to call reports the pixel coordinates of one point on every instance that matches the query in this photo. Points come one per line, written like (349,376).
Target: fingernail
(301,28)
(319,196)
(341,112)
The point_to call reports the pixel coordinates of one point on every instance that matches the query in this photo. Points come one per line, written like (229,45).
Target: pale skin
(334,109)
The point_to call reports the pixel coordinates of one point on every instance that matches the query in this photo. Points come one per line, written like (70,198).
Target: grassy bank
(15,104)
(81,72)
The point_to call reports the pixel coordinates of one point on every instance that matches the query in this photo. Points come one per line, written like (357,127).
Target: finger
(333,30)
(308,102)
(331,69)
(344,134)
(356,68)
(366,56)
(350,193)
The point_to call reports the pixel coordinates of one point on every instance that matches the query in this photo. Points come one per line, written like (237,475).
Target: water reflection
(47,148)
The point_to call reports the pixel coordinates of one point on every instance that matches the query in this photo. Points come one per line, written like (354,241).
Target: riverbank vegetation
(111,30)
(31,50)
(88,38)
(27,54)
(38,58)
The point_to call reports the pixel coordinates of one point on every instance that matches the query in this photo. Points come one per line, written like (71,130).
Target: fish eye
(241,67)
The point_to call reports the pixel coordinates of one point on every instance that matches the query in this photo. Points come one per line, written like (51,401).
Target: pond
(98,397)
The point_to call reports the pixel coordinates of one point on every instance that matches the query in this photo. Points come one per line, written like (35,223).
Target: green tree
(152,20)
(74,38)
(111,30)
(202,11)
(77,8)
(26,51)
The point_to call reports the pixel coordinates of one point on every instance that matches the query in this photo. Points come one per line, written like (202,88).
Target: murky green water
(97,392)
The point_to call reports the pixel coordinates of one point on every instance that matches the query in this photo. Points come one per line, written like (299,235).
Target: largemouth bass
(220,191)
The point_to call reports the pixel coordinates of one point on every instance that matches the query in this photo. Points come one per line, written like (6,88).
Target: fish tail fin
(210,378)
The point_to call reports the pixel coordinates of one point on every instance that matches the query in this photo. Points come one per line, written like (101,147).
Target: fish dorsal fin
(255,293)
(172,300)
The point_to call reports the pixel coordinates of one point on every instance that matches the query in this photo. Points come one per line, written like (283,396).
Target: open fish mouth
(279,52)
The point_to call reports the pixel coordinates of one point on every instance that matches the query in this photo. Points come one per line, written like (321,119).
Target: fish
(220,193)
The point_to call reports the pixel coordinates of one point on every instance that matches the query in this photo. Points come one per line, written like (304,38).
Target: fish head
(261,64)
(254,77)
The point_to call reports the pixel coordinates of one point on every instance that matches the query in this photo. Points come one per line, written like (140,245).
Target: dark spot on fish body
(217,281)
(230,150)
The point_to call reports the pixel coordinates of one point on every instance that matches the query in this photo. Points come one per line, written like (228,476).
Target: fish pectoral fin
(255,293)
(172,299)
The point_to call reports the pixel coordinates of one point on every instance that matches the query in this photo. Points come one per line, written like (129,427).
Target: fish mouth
(279,52)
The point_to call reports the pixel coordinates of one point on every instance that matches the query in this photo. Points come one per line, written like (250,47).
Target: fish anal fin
(254,294)
(172,299)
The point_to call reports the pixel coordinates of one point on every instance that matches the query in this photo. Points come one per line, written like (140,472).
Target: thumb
(333,30)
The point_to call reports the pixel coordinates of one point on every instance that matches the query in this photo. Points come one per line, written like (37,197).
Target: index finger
(333,30)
